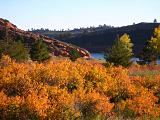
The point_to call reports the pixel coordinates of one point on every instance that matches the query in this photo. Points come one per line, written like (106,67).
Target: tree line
(16,48)
(121,51)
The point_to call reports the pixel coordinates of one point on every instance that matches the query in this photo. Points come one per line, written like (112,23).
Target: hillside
(97,39)
(55,46)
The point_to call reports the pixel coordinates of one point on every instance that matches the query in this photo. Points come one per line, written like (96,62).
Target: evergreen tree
(151,51)
(39,51)
(155,40)
(155,21)
(16,50)
(74,55)
(149,54)
(121,52)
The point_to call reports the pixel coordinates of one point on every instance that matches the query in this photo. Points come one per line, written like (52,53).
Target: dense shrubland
(80,90)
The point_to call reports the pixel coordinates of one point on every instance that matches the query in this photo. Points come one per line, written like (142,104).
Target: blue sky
(64,14)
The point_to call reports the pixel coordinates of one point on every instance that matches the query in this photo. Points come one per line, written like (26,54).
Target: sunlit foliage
(151,51)
(121,51)
(80,90)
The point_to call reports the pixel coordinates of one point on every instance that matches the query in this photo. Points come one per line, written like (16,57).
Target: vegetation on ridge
(39,51)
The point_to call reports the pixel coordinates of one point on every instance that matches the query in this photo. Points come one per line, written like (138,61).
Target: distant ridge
(97,39)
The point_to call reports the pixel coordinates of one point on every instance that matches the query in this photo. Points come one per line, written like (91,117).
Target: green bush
(39,51)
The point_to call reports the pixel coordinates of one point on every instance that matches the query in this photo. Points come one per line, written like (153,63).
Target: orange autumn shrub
(61,104)
(14,80)
(37,102)
(141,106)
(144,104)
(66,90)
(97,79)
(149,82)
(120,86)
(94,105)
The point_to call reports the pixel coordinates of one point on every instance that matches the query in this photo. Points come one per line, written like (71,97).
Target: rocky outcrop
(55,46)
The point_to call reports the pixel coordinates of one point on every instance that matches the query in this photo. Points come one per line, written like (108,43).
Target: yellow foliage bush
(66,90)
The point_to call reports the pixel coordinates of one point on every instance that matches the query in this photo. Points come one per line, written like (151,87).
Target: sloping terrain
(55,46)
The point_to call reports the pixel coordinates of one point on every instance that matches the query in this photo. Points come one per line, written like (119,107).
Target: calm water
(97,55)
(101,56)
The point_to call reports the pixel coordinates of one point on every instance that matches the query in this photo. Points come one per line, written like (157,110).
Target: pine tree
(16,50)
(155,40)
(149,54)
(151,51)
(39,51)
(74,55)
(155,21)
(121,52)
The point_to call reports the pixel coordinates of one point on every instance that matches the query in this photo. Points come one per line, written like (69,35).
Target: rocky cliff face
(55,46)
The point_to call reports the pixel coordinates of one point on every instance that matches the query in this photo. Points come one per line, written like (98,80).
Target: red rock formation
(55,46)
